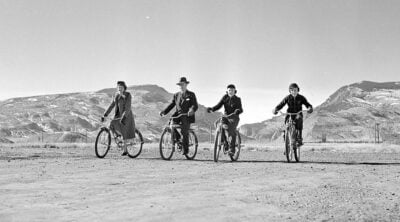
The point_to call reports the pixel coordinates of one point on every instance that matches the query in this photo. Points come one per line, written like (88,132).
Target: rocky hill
(73,116)
(349,114)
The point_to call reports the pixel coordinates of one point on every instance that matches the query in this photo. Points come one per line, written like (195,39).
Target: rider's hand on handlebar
(102,118)
(209,109)
(237,112)
(190,113)
(274,111)
(161,113)
(310,110)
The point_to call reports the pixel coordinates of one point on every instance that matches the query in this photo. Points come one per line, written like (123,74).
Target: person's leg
(133,127)
(233,123)
(175,134)
(285,128)
(185,126)
(115,126)
(299,128)
(225,133)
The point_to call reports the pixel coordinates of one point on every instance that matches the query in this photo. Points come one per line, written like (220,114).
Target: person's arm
(281,104)
(194,106)
(306,103)
(219,105)
(240,108)
(112,105)
(127,107)
(170,106)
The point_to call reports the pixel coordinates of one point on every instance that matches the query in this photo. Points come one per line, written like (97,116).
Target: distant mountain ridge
(59,114)
(349,114)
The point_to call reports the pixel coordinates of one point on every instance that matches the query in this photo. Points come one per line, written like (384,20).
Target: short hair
(122,83)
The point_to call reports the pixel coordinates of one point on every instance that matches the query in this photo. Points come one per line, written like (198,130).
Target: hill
(349,114)
(79,113)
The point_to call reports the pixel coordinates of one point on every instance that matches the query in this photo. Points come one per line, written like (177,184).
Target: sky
(261,46)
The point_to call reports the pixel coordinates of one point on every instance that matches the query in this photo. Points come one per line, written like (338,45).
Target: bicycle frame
(172,128)
(222,130)
(290,137)
(106,125)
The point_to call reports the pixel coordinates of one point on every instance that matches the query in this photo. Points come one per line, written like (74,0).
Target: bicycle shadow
(324,162)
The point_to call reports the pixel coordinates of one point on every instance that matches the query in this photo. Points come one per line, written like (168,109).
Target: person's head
(183,83)
(294,89)
(121,86)
(231,90)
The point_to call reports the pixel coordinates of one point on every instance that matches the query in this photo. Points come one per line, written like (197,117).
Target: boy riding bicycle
(295,101)
(232,105)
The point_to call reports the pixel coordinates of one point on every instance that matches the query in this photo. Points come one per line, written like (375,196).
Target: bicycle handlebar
(293,114)
(109,118)
(229,114)
(176,117)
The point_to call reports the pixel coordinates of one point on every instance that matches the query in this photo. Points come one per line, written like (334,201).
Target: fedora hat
(183,80)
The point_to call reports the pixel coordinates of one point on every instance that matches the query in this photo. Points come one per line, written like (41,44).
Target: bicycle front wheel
(217,146)
(193,145)
(103,143)
(134,148)
(238,146)
(166,145)
(290,143)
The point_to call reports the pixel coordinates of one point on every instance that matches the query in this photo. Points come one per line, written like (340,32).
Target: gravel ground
(71,184)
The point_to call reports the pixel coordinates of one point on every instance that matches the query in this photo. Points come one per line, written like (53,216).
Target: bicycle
(169,141)
(103,141)
(291,138)
(221,141)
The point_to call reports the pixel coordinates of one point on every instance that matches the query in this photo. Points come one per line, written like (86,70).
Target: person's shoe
(124,153)
(300,142)
(231,152)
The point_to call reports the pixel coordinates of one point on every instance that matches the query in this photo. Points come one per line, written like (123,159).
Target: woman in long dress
(123,122)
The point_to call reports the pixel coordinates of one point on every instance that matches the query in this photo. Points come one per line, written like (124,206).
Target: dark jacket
(184,103)
(230,104)
(294,104)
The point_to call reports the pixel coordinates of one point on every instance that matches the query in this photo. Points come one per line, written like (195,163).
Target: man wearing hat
(186,103)
(232,105)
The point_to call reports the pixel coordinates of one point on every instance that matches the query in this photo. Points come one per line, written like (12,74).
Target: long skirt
(126,128)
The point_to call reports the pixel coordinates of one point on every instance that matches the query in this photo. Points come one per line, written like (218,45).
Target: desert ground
(334,182)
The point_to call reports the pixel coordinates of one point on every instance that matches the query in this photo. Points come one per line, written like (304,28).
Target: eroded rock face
(80,113)
(349,114)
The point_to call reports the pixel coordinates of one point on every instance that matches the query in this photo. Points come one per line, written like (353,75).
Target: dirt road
(70,184)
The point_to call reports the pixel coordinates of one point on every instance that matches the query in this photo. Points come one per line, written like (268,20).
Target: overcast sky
(58,46)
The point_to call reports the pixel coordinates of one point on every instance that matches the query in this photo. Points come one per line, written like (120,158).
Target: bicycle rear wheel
(166,145)
(193,144)
(238,146)
(103,143)
(134,148)
(217,146)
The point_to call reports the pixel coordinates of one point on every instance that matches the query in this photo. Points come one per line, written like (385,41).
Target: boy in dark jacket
(232,105)
(295,101)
